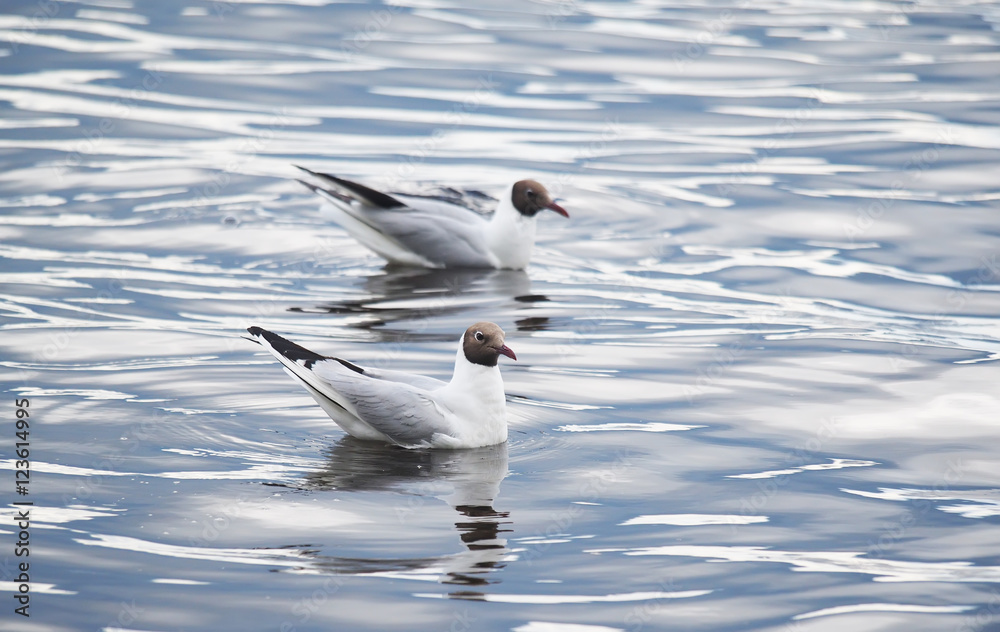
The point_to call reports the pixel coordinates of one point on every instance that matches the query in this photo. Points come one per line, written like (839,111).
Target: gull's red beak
(507,351)
(558,209)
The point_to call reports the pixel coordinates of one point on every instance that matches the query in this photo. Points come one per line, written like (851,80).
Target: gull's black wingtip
(286,348)
(369,195)
(329,177)
(255,334)
(324,191)
(309,171)
(294,352)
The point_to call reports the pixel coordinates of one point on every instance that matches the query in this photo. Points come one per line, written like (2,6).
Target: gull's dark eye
(479,336)
(530,194)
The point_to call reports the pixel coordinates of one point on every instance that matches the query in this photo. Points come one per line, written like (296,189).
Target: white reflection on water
(834,464)
(41,587)
(566,599)
(694,520)
(278,470)
(982,503)
(48,516)
(829,562)
(266,557)
(620,426)
(549,626)
(882,607)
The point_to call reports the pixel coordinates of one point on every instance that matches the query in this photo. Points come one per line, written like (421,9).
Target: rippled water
(755,387)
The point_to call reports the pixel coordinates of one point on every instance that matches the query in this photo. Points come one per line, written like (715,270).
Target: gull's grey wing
(420,381)
(440,235)
(401,411)
(439,232)
(392,402)
(471,199)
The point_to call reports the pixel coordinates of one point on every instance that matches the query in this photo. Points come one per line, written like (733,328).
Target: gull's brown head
(483,344)
(529,197)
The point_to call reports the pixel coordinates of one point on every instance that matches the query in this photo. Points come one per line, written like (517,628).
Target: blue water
(755,386)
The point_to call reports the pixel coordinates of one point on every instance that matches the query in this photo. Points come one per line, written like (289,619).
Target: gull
(433,233)
(412,411)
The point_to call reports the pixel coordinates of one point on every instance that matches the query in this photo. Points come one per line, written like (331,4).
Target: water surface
(755,387)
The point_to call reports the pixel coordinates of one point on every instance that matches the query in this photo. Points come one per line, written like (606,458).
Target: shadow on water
(468,480)
(398,295)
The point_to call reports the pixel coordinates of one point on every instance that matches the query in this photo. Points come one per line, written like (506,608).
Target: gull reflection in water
(468,480)
(397,295)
